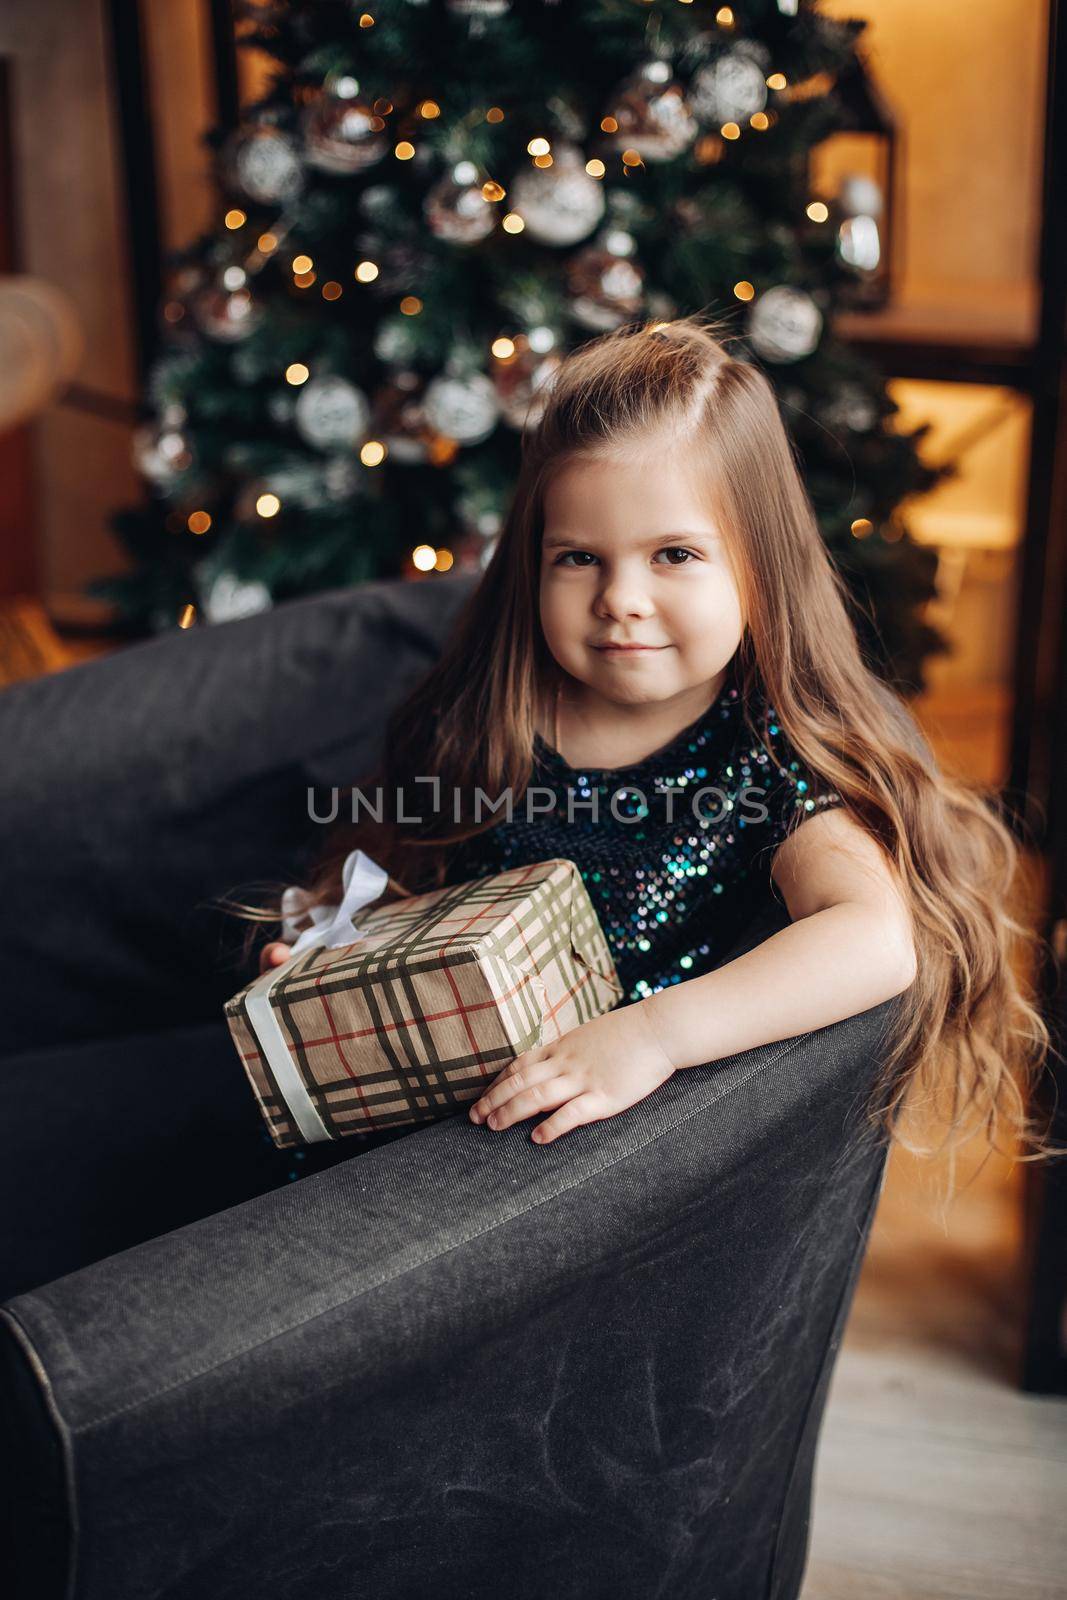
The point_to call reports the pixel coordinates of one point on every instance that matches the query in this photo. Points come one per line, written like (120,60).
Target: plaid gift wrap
(434,999)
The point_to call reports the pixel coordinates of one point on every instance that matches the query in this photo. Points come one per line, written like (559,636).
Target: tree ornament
(733,87)
(400,420)
(228,597)
(224,309)
(560,204)
(266,163)
(850,408)
(396,341)
(281,407)
(463,407)
(784,324)
(522,382)
(478,11)
(651,111)
(342,132)
(456,209)
(331,413)
(161,450)
(606,284)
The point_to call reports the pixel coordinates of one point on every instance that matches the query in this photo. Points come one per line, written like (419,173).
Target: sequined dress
(677,857)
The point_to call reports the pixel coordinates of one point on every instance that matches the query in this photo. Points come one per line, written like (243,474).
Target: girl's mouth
(628,649)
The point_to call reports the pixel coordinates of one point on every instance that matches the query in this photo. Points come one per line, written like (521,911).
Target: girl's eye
(676,550)
(670,550)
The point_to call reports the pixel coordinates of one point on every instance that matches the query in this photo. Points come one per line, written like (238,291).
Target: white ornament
(226,314)
(341,134)
(464,409)
(331,413)
(784,324)
(162,453)
(268,167)
(850,408)
(729,89)
(652,114)
(230,597)
(560,204)
(456,209)
(396,340)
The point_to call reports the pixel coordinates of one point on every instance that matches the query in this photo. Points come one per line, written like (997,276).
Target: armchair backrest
(142,785)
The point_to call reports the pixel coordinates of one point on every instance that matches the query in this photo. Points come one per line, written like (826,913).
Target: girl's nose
(620,596)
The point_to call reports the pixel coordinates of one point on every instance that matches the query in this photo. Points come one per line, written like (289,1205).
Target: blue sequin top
(676,857)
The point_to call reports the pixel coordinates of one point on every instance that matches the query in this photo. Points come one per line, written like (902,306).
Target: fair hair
(967,1038)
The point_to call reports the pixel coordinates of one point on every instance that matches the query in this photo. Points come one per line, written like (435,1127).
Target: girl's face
(629,556)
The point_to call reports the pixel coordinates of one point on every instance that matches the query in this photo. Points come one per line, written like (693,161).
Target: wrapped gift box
(411,1019)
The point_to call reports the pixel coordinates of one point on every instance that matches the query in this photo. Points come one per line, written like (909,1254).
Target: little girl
(660,617)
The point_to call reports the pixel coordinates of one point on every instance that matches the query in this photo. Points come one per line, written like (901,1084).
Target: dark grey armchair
(445,1363)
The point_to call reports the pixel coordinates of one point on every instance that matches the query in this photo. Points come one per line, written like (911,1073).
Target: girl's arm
(848,948)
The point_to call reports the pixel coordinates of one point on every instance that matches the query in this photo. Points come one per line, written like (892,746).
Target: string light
(302,264)
(494,114)
(730,130)
(493,191)
(382,107)
(595,167)
(267,243)
(187,616)
(429,109)
(411,305)
(404,150)
(234,278)
(331,290)
(759,120)
(503,348)
(513,223)
(304,280)
(543,161)
(609,125)
(366,20)
(862,529)
(538,147)
(235,218)
(777,80)
(268,505)
(724,17)
(444,560)
(424,557)
(199,522)
(296,373)
(631,158)
(744,290)
(817,211)
(372,454)
(366,272)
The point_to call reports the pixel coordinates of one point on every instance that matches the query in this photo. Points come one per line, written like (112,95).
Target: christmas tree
(433,200)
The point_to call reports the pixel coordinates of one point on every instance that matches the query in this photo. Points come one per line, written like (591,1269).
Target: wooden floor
(937,1479)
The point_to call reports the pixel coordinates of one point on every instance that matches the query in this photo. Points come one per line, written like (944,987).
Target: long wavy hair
(966,1039)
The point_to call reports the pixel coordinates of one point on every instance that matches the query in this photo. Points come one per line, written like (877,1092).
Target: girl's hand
(595,1071)
(272,955)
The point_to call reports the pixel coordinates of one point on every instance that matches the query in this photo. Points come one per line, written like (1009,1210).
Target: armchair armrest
(466,1365)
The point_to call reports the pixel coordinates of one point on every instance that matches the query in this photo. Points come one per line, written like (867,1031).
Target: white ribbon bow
(363,880)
